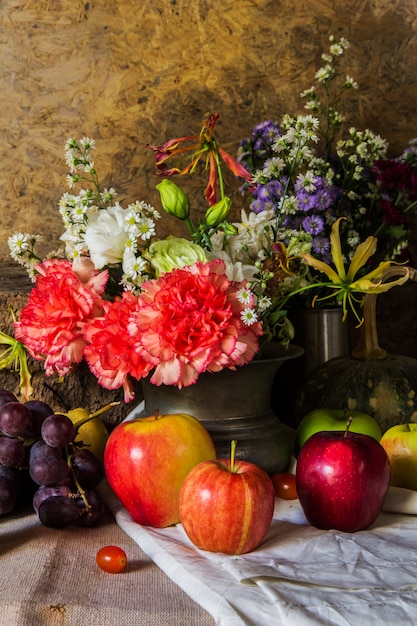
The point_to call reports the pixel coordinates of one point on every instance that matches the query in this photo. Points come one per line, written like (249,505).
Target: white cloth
(299,575)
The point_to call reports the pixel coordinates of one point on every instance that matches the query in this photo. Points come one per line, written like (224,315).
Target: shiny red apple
(147,459)
(227,505)
(342,480)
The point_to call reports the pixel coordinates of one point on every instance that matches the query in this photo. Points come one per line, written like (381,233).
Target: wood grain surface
(135,73)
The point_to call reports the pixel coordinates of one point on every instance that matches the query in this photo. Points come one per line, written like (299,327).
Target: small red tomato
(284,486)
(111,559)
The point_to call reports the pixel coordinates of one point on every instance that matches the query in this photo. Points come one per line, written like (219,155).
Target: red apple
(147,459)
(342,480)
(227,505)
(400,444)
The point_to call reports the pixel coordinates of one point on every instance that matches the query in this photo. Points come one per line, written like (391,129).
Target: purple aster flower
(320,198)
(256,149)
(321,246)
(267,196)
(313,224)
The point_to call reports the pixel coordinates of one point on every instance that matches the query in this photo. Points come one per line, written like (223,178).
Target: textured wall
(130,73)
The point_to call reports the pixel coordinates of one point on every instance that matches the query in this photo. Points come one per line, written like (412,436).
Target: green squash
(386,388)
(369,380)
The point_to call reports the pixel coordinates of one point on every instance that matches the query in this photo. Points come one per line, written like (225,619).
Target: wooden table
(49,577)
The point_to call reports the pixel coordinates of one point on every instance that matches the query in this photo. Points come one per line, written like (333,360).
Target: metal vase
(325,336)
(233,405)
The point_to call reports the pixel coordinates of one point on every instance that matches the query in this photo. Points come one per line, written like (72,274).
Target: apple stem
(348,423)
(232,455)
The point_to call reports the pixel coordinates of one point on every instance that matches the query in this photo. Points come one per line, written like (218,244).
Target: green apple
(400,444)
(335,419)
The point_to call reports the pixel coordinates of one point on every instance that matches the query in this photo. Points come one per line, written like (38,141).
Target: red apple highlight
(342,480)
(147,459)
(400,444)
(227,505)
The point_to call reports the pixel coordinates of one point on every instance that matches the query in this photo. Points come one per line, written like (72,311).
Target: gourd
(368,380)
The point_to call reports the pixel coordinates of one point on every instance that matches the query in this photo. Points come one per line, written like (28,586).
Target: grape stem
(80,490)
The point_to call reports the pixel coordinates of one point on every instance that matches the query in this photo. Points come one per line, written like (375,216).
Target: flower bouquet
(135,306)
(310,174)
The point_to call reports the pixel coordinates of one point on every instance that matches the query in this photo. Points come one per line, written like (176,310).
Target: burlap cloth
(50,578)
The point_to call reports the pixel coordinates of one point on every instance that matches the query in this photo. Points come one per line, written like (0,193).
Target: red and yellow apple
(400,444)
(147,459)
(335,419)
(227,505)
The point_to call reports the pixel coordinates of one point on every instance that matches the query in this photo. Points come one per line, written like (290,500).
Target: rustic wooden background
(133,73)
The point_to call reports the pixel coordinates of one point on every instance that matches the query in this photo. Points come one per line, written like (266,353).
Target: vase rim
(276,352)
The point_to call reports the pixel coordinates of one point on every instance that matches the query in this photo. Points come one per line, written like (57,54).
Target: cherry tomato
(111,559)
(284,486)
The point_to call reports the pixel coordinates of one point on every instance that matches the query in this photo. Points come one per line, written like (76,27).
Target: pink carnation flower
(51,324)
(188,321)
(109,353)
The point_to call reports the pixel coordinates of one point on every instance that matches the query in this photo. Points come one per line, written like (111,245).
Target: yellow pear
(93,433)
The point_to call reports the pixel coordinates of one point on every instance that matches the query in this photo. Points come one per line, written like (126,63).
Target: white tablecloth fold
(299,575)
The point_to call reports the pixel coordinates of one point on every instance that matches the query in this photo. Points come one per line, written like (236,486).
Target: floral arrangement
(133,305)
(309,177)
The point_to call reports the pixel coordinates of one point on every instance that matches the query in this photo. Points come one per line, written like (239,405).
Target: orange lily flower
(200,145)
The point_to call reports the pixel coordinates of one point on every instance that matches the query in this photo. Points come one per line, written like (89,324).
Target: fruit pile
(41,454)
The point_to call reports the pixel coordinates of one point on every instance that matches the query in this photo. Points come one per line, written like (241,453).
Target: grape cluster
(38,444)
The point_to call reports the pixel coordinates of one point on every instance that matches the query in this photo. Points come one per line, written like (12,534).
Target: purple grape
(8,495)
(6,396)
(87,468)
(40,449)
(12,451)
(58,511)
(45,492)
(91,514)
(57,430)
(40,411)
(45,470)
(10,473)
(15,420)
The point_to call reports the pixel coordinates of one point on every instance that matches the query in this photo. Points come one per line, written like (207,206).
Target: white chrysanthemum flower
(351,83)
(87,143)
(146,228)
(244,295)
(133,266)
(18,243)
(324,73)
(248,316)
(263,303)
(108,195)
